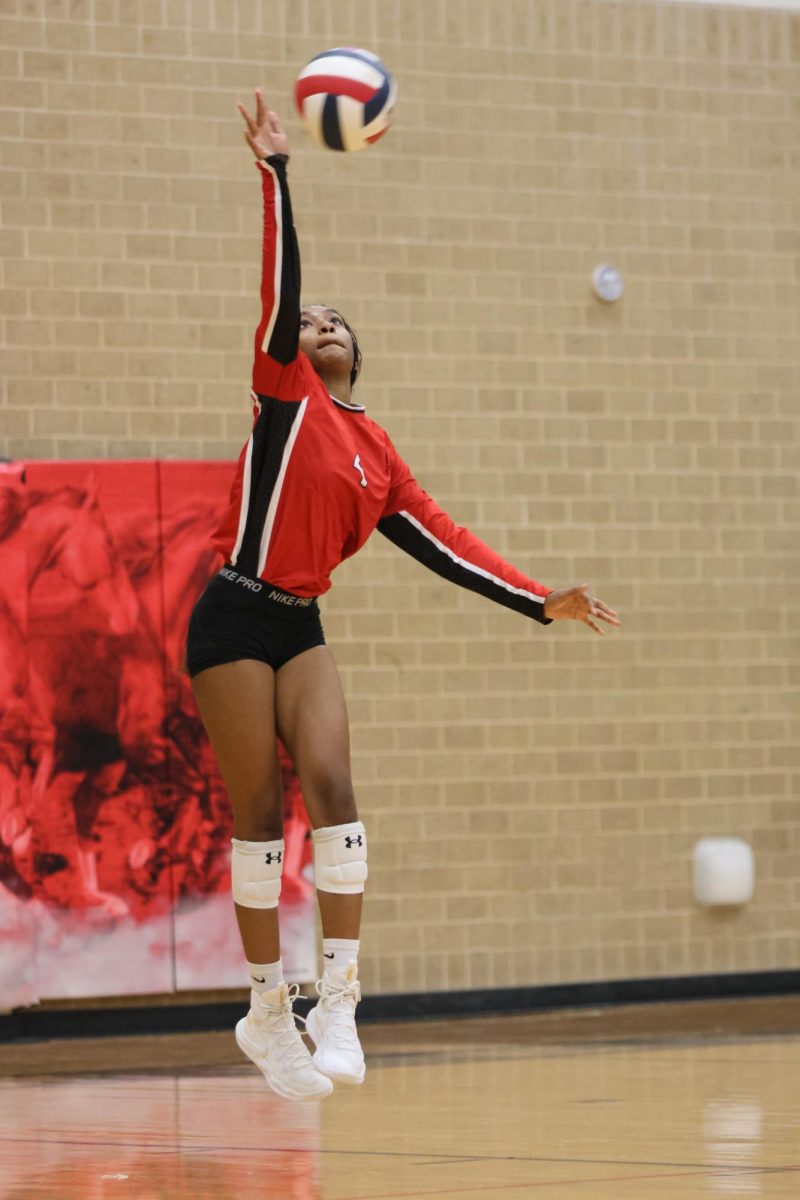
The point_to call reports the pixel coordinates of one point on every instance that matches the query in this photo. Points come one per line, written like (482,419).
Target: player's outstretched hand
(575,604)
(263,132)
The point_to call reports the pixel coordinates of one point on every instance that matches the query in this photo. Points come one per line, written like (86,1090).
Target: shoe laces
(339,999)
(281,1023)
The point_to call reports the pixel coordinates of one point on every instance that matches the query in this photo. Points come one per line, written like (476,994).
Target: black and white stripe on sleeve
(281,268)
(410,535)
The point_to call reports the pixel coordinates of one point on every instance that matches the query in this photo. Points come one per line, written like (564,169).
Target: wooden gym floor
(634,1103)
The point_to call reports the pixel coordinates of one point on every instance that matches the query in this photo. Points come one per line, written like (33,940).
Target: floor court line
(430,1159)
(539,1183)
(508,1187)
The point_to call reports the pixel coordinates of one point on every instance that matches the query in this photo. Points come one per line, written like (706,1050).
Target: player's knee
(256,872)
(340,858)
(334,802)
(267,827)
(258,813)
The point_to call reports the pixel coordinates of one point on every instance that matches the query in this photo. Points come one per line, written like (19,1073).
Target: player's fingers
(248,120)
(592,625)
(261,108)
(274,122)
(609,620)
(605,613)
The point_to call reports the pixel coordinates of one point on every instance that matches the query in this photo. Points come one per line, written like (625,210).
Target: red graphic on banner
(110,800)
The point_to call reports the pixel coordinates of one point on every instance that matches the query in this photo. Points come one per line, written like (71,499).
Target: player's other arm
(275,363)
(416,524)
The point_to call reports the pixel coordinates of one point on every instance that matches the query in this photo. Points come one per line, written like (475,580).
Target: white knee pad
(340,858)
(256,873)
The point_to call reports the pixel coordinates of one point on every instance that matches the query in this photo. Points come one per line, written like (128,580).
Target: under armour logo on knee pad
(270,858)
(340,858)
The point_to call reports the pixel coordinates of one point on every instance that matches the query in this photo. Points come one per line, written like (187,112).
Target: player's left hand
(575,604)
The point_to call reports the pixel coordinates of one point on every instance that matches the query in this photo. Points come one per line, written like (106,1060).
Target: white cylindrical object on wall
(724,871)
(607,283)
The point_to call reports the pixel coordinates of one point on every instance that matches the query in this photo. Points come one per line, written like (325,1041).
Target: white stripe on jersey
(245,501)
(276,491)
(276,283)
(468,566)
(344,404)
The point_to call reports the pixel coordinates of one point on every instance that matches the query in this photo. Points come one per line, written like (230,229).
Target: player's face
(325,339)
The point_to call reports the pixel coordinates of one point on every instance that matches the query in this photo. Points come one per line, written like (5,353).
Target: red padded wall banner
(17,919)
(114,823)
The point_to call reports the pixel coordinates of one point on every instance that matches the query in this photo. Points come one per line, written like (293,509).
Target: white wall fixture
(607,283)
(724,871)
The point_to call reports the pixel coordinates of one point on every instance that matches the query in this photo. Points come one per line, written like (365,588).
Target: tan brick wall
(532,795)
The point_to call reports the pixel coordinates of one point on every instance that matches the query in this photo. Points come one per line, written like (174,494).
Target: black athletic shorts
(237,618)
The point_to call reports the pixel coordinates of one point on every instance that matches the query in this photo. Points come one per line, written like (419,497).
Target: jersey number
(358,467)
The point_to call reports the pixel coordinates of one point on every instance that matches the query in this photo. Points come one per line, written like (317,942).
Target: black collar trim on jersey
(349,407)
(341,403)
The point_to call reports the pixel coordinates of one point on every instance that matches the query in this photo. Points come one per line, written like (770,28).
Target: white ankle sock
(338,952)
(265,976)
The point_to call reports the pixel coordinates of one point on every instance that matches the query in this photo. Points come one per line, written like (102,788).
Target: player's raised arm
(276,340)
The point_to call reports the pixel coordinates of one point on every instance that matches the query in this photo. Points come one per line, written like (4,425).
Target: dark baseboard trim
(40,1024)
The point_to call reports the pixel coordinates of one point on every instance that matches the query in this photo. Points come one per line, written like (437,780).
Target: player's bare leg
(312,721)
(237,704)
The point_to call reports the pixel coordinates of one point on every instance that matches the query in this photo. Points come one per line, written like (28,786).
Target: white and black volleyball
(346,98)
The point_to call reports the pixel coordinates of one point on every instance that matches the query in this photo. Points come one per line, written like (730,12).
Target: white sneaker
(268,1035)
(331,1025)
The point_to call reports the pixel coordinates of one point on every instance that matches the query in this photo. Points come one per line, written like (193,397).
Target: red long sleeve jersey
(317,476)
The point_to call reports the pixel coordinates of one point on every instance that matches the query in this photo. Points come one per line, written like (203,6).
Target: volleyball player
(314,480)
